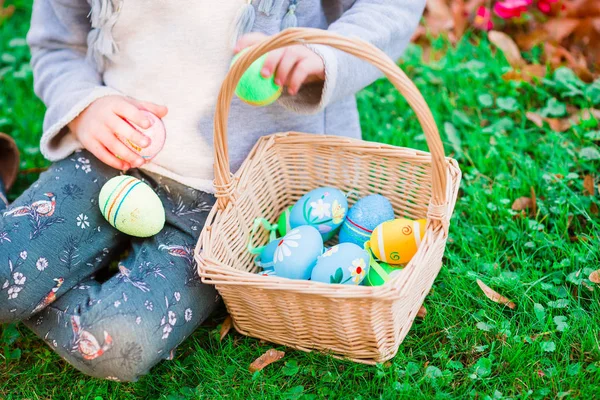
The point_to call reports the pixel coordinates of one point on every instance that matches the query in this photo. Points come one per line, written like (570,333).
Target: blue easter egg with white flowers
(345,263)
(323,208)
(368,213)
(265,261)
(297,252)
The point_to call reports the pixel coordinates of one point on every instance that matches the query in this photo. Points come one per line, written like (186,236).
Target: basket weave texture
(364,324)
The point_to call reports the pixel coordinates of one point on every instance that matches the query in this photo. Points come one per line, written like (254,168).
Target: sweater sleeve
(387,24)
(63,79)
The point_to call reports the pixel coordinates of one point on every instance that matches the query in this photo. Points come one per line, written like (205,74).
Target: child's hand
(293,65)
(97,125)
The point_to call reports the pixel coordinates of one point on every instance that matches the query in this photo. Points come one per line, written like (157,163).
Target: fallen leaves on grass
(495,296)
(6,12)
(226,327)
(269,357)
(509,48)
(522,203)
(588,184)
(556,124)
(595,276)
(422,312)
(521,70)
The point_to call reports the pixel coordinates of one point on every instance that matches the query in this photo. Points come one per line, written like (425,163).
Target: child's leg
(53,236)
(120,329)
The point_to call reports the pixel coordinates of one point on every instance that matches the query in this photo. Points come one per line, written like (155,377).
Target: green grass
(467,346)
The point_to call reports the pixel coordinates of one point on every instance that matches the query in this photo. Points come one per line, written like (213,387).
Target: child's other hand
(293,66)
(96,128)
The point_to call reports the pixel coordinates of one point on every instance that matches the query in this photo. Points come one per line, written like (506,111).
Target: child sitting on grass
(95,66)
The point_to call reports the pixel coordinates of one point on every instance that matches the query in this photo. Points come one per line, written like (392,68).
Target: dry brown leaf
(594,209)
(509,48)
(560,28)
(595,276)
(522,203)
(6,12)
(528,40)
(589,113)
(460,15)
(528,73)
(269,357)
(439,17)
(422,312)
(533,201)
(495,296)
(535,118)
(557,125)
(226,327)
(588,185)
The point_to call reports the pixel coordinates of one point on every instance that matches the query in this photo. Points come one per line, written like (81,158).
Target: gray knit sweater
(156,50)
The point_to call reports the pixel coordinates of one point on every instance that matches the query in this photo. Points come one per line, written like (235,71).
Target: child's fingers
(124,129)
(298,77)
(133,114)
(102,154)
(285,67)
(156,109)
(123,152)
(272,62)
(248,40)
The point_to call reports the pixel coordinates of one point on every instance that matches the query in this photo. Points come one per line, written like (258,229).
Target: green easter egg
(283,224)
(255,89)
(375,278)
(131,206)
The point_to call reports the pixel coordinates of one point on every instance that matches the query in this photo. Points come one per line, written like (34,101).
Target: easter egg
(365,216)
(397,241)
(345,263)
(380,273)
(131,206)
(265,261)
(283,224)
(324,208)
(267,272)
(297,252)
(255,89)
(156,133)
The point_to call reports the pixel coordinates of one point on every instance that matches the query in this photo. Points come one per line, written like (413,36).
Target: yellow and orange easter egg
(397,241)
(131,206)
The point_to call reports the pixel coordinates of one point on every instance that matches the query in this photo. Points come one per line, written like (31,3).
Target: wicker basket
(364,324)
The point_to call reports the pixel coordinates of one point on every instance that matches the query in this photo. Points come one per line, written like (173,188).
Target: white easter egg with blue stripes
(131,206)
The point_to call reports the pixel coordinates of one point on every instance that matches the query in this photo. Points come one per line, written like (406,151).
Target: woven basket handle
(356,47)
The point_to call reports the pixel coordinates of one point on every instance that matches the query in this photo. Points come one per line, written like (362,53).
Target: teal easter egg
(283,223)
(265,261)
(323,208)
(345,263)
(380,273)
(365,216)
(131,206)
(297,253)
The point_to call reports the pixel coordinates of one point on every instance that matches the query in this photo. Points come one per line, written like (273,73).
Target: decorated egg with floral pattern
(265,261)
(297,252)
(345,263)
(324,208)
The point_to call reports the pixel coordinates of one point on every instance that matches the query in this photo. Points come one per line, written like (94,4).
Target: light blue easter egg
(265,261)
(297,252)
(345,263)
(267,272)
(365,216)
(324,208)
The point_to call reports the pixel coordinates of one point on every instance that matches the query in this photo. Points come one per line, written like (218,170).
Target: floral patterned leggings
(54,247)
